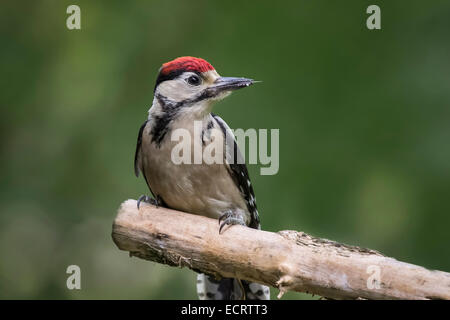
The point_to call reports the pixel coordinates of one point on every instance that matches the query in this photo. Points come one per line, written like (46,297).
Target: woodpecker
(185,91)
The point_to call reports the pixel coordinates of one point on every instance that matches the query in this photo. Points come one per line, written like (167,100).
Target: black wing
(239,173)
(137,159)
(137,155)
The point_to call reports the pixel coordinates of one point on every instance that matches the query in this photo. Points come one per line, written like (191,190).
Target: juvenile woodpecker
(185,91)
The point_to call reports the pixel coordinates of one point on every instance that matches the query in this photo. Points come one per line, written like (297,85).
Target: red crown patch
(186,63)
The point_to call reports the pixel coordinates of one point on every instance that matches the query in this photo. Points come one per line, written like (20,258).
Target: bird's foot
(230,218)
(149,200)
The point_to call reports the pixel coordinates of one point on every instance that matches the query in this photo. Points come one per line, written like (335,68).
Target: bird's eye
(194,80)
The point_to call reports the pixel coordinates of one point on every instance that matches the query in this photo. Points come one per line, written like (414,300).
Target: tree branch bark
(287,260)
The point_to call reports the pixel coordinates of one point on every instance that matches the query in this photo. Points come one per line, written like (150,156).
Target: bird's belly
(196,188)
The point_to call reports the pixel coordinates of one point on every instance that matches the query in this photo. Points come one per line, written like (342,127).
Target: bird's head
(189,81)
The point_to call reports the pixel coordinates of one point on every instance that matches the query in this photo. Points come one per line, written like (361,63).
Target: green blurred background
(364,123)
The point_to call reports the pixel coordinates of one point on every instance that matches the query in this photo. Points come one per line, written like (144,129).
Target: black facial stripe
(166,104)
(160,128)
(170,111)
(161,122)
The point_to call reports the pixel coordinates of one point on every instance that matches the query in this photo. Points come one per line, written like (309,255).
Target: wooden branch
(287,260)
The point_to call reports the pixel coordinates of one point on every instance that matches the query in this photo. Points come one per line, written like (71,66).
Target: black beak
(228,84)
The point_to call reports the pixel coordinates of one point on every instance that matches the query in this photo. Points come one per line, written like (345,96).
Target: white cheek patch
(177,90)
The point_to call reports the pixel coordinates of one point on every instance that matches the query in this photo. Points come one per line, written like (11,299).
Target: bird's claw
(230,218)
(147,199)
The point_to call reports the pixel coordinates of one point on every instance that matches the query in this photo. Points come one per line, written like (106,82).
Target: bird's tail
(208,288)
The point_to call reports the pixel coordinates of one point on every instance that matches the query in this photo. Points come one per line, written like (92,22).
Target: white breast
(205,189)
